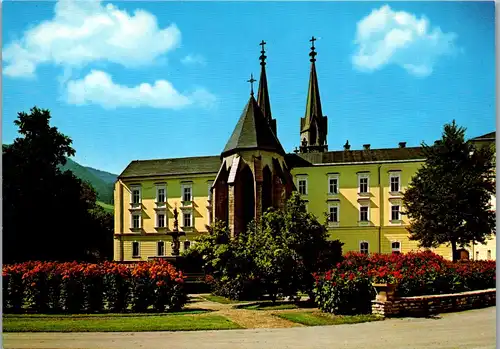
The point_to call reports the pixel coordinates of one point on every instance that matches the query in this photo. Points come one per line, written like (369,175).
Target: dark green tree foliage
(448,199)
(48,214)
(276,257)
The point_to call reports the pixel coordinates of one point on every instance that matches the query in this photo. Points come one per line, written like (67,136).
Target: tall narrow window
(136,195)
(363,214)
(333,185)
(363,184)
(187,193)
(160,220)
(136,221)
(395,213)
(160,248)
(396,247)
(333,214)
(302,184)
(187,245)
(135,249)
(187,219)
(363,247)
(161,194)
(395,185)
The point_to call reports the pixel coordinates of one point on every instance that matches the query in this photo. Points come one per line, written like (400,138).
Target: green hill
(101,181)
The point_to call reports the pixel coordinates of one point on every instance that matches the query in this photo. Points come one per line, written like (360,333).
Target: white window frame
(185,186)
(303,178)
(337,222)
(190,219)
(367,248)
(396,249)
(335,178)
(164,214)
(158,188)
(394,175)
(367,205)
(367,177)
(138,249)
(158,248)
(397,220)
(132,215)
(134,188)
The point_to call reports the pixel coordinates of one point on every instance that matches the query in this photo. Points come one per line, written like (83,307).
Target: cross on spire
(251,81)
(313,53)
(263,56)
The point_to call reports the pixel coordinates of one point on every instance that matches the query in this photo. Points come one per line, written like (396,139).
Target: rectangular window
(160,220)
(363,247)
(187,219)
(136,221)
(302,186)
(136,195)
(396,247)
(363,214)
(363,185)
(160,248)
(394,179)
(186,193)
(161,194)
(333,214)
(187,245)
(333,185)
(135,249)
(395,213)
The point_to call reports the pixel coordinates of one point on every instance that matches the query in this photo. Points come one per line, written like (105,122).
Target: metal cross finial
(313,39)
(263,56)
(251,81)
(313,53)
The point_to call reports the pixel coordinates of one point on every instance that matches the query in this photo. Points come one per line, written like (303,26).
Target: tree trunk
(454,251)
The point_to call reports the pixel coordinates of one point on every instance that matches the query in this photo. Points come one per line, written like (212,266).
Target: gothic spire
(263,92)
(313,126)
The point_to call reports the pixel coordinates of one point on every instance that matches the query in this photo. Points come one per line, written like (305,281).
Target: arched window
(396,247)
(364,247)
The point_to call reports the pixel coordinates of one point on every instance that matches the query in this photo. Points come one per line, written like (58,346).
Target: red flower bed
(414,274)
(76,287)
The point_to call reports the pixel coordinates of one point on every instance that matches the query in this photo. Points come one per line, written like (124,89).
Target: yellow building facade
(358,193)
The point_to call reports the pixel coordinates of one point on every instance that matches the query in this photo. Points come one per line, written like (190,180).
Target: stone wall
(433,304)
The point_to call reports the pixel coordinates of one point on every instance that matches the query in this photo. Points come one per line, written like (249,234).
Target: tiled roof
(175,166)
(486,137)
(345,156)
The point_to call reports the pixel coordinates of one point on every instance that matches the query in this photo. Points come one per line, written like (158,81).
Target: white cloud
(98,88)
(193,59)
(387,37)
(82,32)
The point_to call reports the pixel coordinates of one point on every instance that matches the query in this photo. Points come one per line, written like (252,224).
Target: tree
(275,256)
(448,199)
(48,214)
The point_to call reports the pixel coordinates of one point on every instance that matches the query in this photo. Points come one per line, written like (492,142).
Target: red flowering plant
(117,286)
(73,294)
(141,287)
(43,286)
(93,287)
(13,286)
(167,287)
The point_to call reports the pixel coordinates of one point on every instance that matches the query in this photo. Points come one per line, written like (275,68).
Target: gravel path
(474,329)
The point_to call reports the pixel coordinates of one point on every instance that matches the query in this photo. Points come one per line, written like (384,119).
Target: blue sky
(143,80)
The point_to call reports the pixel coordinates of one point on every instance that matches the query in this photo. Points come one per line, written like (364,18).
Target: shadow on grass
(278,305)
(129,313)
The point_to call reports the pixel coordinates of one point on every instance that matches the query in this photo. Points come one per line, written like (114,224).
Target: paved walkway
(473,329)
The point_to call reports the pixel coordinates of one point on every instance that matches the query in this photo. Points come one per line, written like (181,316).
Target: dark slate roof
(175,166)
(313,104)
(252,132)
(345,156)
(487,137)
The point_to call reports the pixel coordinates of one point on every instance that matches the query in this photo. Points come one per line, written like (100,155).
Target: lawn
(220,299)
(107,207)
(116,322)
(321,319)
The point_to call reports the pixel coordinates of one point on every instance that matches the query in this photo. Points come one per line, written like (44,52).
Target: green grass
(220,299)
(320,319)
(107,207)
(116,323)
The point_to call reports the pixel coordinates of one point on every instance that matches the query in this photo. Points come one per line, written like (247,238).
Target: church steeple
(263,92)
(314,125)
